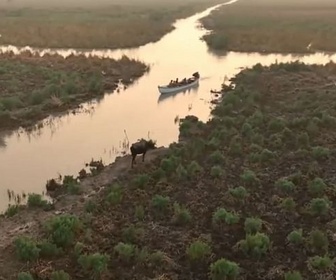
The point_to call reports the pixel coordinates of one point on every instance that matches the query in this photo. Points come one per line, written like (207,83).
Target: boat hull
(165,89)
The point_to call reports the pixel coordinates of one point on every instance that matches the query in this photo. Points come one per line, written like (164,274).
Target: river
(65,143)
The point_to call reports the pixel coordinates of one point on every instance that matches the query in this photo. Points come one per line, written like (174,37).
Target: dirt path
(28,221)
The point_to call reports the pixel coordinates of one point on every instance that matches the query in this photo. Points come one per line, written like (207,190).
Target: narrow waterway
(63,144)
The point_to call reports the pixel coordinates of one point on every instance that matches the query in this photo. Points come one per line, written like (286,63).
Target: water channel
(65,143)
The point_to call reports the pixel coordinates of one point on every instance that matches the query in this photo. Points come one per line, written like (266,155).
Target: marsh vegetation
(252,187)
(100,24)
(273,26)
(33,86)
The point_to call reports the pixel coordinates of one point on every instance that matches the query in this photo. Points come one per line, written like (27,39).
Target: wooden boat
(175,86)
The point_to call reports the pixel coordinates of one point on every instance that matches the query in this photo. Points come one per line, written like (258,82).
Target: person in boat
(184,81)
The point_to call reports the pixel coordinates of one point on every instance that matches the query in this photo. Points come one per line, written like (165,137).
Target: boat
(175,86)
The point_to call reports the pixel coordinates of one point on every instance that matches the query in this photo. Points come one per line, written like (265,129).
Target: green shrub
(48,249)
(224,269)
(63,229)
(25,276)
(94,263)
(216,171)
(115,194)
(222,215)
(198,250)
(293,275)
(36,201)
(295,237)
(160,202)
(255,245)
(317,186)
(141,181)
(181,214)
(26,249)
(318,240)
(239,193)
(252,225)
(320,206)
(125,251)
(60,275)
(321,263)
(285,185)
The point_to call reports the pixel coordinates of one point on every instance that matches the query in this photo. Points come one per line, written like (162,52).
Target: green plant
(224,269)
(160,202)
(239,193)
(295,237)
(90,206)
(181,214)
(252,225)
(140,181)
(293,275)
(194,168)
(216,157)
(181,173)
(317,186)
(94,263)
(139,212)
(36,200)
(198,250)
(222,215)
(115,194)
(321,263)
(12,210)
(285,185)
(78,248)
(60,275)
(48,249)
(249,177)
(26,249)
(132,233)
(255,245)
(318,240)
(288,204)
(216,171)
(63,229)
(25,276)
(125,251)
(320,152)
(157,257)
(320,206)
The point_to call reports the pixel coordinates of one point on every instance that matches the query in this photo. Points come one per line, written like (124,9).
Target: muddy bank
(32,87)
(198,208)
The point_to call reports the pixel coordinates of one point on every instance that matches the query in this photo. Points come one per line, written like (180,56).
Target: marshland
(245,183)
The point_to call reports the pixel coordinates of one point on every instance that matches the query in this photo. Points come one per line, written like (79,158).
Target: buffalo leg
(143,156)
(133,160)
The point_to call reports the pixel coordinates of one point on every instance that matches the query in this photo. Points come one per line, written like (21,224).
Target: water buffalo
(141,147)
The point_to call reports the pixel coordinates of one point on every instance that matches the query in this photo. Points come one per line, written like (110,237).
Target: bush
(60,275)
(198,250)
(26,249)
(239,193)
(224,269)
(94,263)
(125,251)
(293,275)
(181,214)
(216,171)
(115,194)
(255,245)
(321,263)
(36,201)
(63,229)
(160,202)
(252,225)
(222,215)
(25,276)
(295,237)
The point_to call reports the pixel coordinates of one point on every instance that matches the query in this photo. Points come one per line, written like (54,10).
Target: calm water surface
(65,143)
